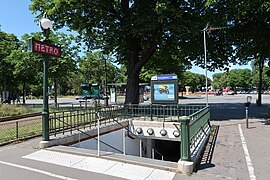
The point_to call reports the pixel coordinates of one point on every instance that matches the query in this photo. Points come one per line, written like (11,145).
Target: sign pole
(46,49)
(45,112)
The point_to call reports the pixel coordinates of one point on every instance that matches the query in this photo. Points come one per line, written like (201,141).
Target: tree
(249,30)
(239,78)
(26,67)
(8,42)
(135,31)
(60,69)
(194,80)
(93,69)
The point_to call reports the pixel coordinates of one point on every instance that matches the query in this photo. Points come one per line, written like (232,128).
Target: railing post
(124,142)
(140,147)
(17,130)
(70,113)
(54,123)
(151,112)
(185,138)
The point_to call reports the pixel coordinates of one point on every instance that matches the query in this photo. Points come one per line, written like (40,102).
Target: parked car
(230,92)
(101,96)
(218,92)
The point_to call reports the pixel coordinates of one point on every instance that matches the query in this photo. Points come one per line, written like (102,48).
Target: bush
(11,110)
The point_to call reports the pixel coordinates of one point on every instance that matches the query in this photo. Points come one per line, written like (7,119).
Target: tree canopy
(8,42)
(147,38)
(135,31)
(242,79)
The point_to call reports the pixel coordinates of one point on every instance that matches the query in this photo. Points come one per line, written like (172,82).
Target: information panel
(164,89)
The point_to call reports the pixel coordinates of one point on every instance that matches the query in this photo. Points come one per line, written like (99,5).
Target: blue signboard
(167,77)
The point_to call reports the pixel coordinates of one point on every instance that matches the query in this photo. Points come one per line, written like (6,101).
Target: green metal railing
(154,112)
(68,121)
(192,127)
(19,129)
(193,120)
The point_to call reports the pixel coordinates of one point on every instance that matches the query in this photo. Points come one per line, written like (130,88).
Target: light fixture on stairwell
(139,130)
(163,132)
(150,131)
(176,133)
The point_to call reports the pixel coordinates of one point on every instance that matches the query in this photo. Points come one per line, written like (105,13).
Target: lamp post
(46,26)
(106,98)
(106,75)
(205,62)
(207,29)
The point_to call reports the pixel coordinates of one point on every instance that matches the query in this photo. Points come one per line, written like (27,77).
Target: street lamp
(106,98)
(205,62)
(207,29)
(46,26)
(106,75)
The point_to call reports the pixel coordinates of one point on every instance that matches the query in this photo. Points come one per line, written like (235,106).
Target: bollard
(247,117)
(247,104)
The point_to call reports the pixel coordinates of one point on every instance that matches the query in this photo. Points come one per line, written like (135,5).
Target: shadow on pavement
(266,122)
(209,150)
(229,111)
(188,98)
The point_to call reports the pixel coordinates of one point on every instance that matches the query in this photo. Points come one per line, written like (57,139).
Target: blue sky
(199,70)
(16,18)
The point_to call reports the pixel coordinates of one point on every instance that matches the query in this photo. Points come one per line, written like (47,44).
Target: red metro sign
(43,48)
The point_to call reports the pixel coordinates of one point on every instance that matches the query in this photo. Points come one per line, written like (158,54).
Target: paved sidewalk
(229,159)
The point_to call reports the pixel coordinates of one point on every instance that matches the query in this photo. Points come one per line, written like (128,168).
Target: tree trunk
(136,55)
(24,91)
(55,91)
(261,63)
(133,71)
(5,90)
(132,88)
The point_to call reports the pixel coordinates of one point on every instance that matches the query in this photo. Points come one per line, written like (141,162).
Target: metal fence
(193,120)
(19,129)
(198,121)
(160,112)
(192,127)
(68,121)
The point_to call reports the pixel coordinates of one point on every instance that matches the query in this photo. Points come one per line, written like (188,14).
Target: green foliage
(220,80)
(8,42)
(60,69)
(93,70)
(136,31)
(11,110)
(194,80)
(241,79)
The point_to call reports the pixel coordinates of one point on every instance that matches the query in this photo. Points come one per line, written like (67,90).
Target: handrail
(193,119)
(94,138)
(138,138)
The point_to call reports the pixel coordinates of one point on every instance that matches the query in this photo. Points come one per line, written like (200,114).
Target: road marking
(248,159)
(37,170)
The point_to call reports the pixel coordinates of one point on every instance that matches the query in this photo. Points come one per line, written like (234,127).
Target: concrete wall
(114,139)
